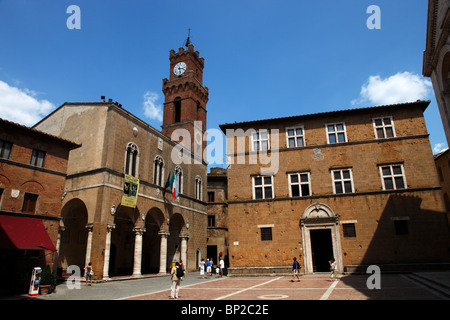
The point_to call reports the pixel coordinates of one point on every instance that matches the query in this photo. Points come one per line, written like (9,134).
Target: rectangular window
(29,203)
(5,149)
(37,158)
(210,196)
(262,187)
(266,234)
(260,140)
(384,128)
(211,221)
(342,181)
(393,177)
(336,133)
(300,185)
(295,137)
(349,230)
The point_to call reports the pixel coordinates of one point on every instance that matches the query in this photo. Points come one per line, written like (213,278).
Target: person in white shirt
(222,266)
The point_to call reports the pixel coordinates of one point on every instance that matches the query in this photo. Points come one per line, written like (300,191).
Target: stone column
(87,258)
(184,239)
(109,229)
(163,252)
(61,229)
(138,251)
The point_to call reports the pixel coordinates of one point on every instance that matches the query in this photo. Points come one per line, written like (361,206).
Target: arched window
(177,109)
(131,160)
(179,174)
(198,188)
(158,171)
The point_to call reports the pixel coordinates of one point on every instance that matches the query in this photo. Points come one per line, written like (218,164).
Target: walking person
(182,268)
(88,274)
(333,268)
(295,270)
(208,268)
(222,266)
(202,268)
(177,274)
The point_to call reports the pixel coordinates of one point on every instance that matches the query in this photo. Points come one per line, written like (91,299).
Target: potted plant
(47,282)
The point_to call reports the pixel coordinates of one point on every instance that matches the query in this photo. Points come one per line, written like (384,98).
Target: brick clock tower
(186,98)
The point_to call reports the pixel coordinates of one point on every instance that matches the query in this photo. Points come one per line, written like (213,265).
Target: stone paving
(311,287)
(417,286)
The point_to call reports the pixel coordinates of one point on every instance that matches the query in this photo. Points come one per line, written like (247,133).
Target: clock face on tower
(179,68)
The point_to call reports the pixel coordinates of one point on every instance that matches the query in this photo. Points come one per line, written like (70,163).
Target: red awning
(24,233)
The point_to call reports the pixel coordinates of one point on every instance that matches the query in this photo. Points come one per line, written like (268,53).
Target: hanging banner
(35,279)
(130,191)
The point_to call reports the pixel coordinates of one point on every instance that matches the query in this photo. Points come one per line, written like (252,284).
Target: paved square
(311,287)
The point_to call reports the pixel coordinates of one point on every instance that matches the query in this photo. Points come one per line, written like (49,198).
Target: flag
(174,186)
(169,177)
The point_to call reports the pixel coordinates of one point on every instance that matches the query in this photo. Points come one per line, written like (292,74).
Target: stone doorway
(321,238)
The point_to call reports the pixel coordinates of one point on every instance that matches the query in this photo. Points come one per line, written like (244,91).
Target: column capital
(164,234)
(110,226)
(184,236)
(89,226)
(139,231)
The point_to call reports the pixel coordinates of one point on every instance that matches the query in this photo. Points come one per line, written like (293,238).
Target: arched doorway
(151,248)
(74,236)
(321,238)
(174,242)
(122,241)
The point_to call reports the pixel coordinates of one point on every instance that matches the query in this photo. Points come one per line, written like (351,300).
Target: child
(217,271)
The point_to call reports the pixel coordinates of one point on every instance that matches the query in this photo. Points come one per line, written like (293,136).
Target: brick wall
(371,209)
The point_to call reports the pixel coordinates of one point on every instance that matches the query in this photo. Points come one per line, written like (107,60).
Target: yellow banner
(130,191)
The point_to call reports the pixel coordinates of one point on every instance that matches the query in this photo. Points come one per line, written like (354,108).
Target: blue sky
(263,58)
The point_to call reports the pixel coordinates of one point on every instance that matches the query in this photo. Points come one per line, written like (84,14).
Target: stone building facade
(359,186)
(442,161)
(436,57)
(217,244)
(124,240)
(33,168)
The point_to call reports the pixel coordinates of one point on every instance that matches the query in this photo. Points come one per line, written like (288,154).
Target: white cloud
(22,106)
(438,147)
(399,88)
(151,109)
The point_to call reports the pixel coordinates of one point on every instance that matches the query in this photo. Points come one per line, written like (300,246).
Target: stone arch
(32,186)
(151,242)
(176,228)
(74,234)
(4,181)
(122,241)
(318,211)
